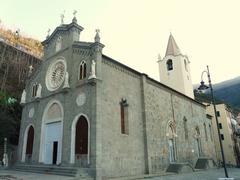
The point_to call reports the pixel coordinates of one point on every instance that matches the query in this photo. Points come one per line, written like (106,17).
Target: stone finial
(74,16)
(48,32)
(159,57)
(97,37)
(23,98)
(93,70)
(62,17)
(66,81)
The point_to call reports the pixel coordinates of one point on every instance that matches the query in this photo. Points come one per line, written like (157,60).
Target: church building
(84,109)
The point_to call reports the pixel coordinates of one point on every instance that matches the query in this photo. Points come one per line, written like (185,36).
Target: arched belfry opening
(51,134)
(80,142)
(28,144)
(169,65)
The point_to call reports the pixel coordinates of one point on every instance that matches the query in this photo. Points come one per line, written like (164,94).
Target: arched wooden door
(81,141)
(30,139)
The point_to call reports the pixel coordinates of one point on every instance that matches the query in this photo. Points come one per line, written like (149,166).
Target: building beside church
(228,127)
(84,109)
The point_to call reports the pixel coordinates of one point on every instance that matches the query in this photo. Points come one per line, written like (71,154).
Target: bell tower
(174,69)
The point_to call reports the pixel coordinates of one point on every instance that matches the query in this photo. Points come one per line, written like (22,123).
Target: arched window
(185,64)
(82,70)
(205,130)
(185,127)
(169,65)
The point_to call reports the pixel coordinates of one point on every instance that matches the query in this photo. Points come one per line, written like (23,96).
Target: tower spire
(172,47)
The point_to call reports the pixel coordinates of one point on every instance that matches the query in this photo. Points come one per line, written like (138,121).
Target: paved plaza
(200,175)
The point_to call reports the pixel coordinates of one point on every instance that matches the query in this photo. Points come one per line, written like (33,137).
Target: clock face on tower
(55,75)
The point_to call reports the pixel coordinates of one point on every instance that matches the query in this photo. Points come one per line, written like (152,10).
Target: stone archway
(28,144)
(80,141)
(51,134)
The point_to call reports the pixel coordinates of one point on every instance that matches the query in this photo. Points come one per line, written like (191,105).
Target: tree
(10,117)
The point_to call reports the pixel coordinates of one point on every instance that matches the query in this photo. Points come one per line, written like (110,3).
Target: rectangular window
(222,136)
(218,114)
(220,125)
(124,116)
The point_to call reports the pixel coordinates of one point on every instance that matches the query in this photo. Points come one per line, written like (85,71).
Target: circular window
(55,75)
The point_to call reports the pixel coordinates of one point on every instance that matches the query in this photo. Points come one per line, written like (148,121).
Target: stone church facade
(84,109)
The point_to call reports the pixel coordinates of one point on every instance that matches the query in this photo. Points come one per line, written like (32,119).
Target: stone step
(179,168)
(56,170)
(204,163)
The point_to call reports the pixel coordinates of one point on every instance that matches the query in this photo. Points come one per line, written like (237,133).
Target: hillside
(26,44)
(227,92)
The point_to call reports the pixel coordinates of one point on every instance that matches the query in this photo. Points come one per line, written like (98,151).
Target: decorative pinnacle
(74,16)
(97,37)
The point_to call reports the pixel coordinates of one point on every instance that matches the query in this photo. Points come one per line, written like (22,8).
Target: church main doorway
(51,134)
(53,140)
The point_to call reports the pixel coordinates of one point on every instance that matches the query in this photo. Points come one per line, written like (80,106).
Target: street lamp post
(203,87)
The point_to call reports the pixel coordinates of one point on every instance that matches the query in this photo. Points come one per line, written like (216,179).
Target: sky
(134,32)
